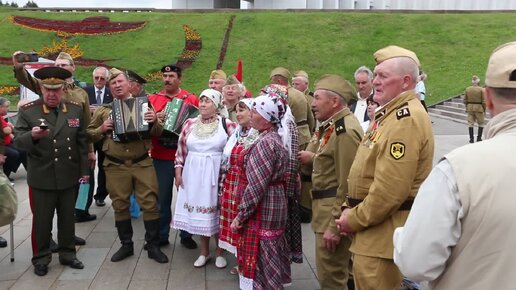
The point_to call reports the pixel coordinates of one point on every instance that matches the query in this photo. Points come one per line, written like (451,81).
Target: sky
(161,4)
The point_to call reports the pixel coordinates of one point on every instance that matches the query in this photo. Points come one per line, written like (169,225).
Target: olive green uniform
(55,164)
(338,140)
(392,161)
(128,169)
(475,105)
(302,114)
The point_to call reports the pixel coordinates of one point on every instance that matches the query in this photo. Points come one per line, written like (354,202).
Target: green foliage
(451,47)
(30,4)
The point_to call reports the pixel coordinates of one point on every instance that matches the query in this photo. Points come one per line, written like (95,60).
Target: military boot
(479,135)
(152,240)
(471,136)
(125,234)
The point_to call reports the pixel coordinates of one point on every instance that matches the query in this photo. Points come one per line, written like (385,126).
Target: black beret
(172,68)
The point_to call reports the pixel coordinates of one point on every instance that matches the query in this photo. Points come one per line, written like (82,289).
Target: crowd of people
(248,171)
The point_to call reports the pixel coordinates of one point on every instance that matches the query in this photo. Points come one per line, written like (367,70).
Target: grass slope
(451,47)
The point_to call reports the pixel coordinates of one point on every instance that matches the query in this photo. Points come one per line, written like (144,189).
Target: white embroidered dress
(196,206)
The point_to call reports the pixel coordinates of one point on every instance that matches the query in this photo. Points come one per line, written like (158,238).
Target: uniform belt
(476,103)
(127,162)
(306,178)
(301,123)
(406,205)
(325,193)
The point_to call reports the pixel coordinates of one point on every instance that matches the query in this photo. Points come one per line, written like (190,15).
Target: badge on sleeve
(397,150)
(74,123)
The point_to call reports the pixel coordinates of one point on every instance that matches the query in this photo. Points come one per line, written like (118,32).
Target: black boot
(152,239)
(479,136)
(471,137)
(125,234)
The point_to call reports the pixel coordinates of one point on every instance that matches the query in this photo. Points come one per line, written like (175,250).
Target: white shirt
(420,88)
(423,245)
(360,109)
(101,94)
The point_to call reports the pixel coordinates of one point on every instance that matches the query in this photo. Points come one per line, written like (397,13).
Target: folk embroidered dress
(263,254)
(196,208)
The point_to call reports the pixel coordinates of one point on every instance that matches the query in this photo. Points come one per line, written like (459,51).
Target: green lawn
(451,47)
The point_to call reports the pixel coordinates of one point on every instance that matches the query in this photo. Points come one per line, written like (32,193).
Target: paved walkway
(139,272)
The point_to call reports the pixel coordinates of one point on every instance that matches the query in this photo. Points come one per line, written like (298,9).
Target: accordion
(128,121)
(176,113)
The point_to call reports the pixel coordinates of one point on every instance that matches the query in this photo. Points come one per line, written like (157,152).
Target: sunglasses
(100,78)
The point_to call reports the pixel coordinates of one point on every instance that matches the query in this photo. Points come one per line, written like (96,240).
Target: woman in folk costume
(293,179)
(197,163)
(232,166)
(263,254)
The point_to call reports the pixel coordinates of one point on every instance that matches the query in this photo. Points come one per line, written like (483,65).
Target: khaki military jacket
(60,159)
(392,161)
(302,114)
(338,140)
(73,93)
(121,150)
(474,99)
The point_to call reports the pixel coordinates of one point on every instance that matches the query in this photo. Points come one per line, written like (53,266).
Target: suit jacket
(92,95)
(60,159)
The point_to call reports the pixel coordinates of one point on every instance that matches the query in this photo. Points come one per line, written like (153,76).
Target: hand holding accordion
(128,119)
(176,113)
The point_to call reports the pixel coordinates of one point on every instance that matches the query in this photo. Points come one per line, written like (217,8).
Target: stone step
(444,117)
(450,108)
(443,112)
(454,104)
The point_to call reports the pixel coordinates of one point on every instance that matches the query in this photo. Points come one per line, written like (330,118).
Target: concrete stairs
(452,109)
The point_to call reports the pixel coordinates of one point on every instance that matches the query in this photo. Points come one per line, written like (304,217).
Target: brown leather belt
(306,178)
(406,205)
(325,193)
(474,103)
(301,123)
(127,162)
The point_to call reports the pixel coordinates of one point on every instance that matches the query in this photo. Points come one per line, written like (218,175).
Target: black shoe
(74,263)
(100,202)
(162,243)
(79,241)
(189,243)
(156,254)
(3,243)
(40,270)
(124,252)
(54,248)
(85,218)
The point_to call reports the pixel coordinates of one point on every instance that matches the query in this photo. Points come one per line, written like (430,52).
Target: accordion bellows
(177,112)
(128,121)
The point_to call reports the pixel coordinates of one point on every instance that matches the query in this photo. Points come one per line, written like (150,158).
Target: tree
(31,4)
(14,5)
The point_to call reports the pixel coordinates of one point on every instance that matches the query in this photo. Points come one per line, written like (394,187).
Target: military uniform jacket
(474,99)
(302,114)
(60,159)
(392,161)
(338,140)
(120,150)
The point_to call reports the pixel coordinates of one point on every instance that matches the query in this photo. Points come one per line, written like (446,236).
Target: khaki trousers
(371,273)
(332,267)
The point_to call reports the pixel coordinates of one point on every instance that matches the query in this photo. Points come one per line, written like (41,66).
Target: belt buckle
(128,162)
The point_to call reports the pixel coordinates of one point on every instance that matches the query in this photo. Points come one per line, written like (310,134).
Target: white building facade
(349,4)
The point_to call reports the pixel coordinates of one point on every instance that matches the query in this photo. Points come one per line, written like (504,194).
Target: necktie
(99,99)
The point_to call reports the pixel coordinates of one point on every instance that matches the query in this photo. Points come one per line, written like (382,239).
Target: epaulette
(402,111)
(73,103)
(340,126)
(32,104)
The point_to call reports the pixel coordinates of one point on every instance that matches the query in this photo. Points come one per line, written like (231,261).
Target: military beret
(338,85)
(301,73)
(64,55)
(218,74)
(52,77)
(113,73)
(172,68)
(392,51)
(281,71)
(232,80)
(133,76)
(501,68)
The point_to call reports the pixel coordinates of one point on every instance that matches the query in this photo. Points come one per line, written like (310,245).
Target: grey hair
(332,94)
(406,65)
(106,71)
(4,101)
(364,69)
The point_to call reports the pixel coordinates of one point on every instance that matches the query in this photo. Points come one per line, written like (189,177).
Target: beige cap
(501,68)
(392,51)
(338,85)
(113,73)
(232,80)
(218,74)
(301,73)
(64,55)
(281,71)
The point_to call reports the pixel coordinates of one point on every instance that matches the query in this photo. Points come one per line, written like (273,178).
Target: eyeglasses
(100,78)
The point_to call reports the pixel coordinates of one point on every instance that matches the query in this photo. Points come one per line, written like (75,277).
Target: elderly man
(392,161)
(98,94)
(475,102)
(460,233)
(337,141)
(364,82)
(217,80)
(163,150)
(129,170)
(137,84)
(232,92)
(53,132)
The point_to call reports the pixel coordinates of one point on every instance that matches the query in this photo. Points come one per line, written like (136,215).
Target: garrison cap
(232,80)
(113,73)
(172,68)
(52,77)
(301,73)
(133,76)
(218,74)
(281,71)
(338,85)
(392,51)
(64,55)
(501,68)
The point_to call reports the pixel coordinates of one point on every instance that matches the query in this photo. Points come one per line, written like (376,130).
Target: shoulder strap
(224,125)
